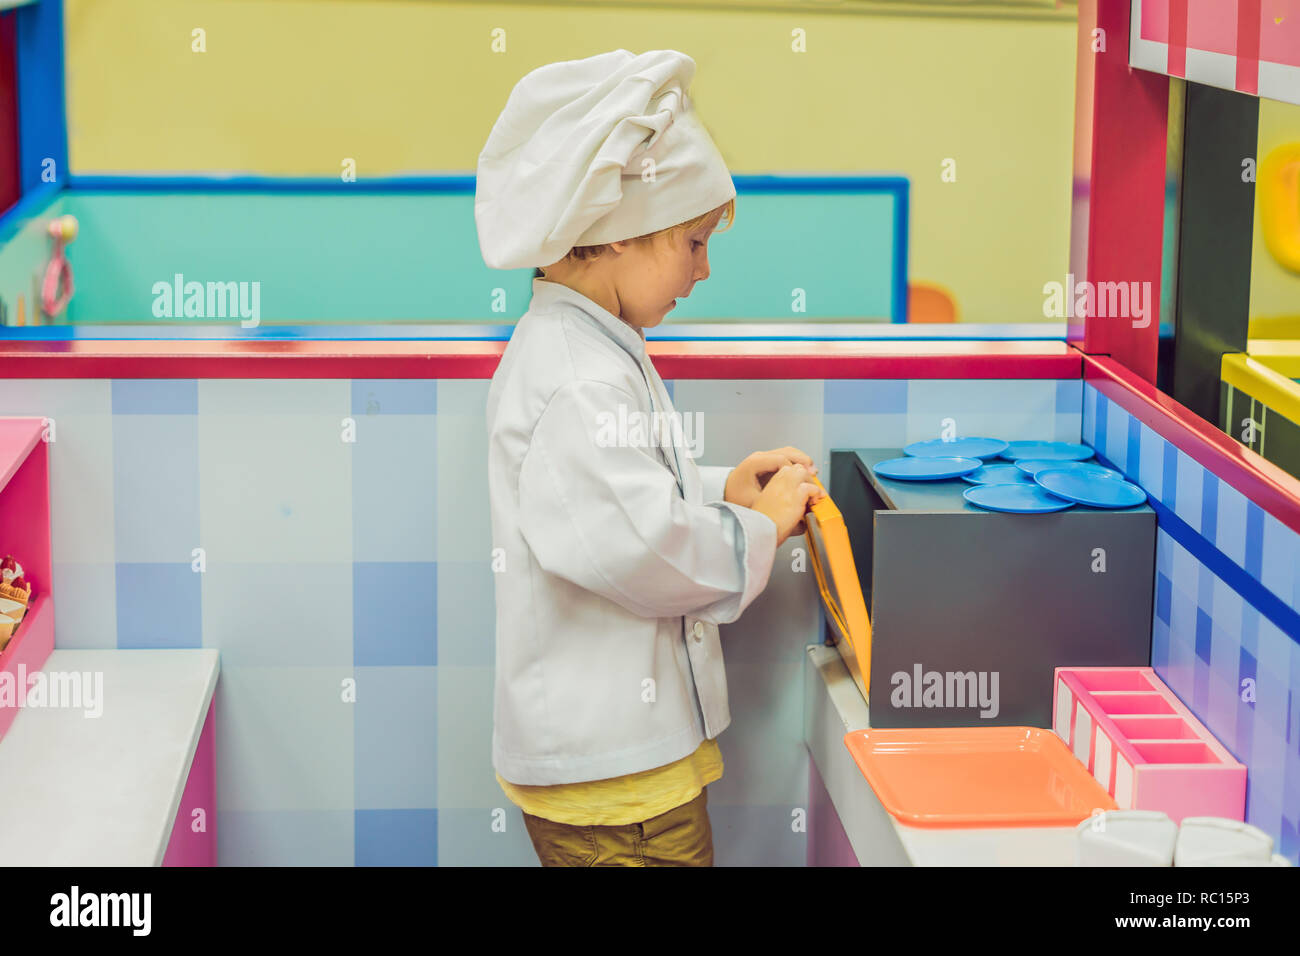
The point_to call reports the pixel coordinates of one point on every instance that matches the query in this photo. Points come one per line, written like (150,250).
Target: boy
(616,558)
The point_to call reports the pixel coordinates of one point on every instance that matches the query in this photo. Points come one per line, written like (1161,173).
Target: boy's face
(652,275)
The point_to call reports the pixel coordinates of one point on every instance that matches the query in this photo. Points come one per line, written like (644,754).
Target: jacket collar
(548,294)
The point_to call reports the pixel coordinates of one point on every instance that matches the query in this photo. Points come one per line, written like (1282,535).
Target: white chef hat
(563,165)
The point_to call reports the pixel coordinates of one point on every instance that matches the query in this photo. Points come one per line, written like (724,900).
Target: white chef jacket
(615,562)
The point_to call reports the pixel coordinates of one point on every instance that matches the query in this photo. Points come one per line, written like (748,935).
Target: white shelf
(104,791)
(833,706)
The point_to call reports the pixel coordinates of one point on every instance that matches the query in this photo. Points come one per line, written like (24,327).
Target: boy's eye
(695,243)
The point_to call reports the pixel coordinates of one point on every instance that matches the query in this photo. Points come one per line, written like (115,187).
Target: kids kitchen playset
(1074,641)
(1130,773)
(972,778)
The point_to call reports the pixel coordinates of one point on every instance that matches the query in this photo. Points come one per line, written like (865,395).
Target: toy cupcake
(15,598)
(13,585)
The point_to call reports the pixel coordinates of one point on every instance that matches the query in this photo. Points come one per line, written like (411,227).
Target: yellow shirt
(617,801)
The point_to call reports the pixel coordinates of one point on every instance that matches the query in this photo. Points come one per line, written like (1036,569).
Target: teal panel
(317,258)
(414,256)
(838,248)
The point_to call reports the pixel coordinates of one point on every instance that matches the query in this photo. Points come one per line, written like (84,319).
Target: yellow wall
(1274,291)
(291,88)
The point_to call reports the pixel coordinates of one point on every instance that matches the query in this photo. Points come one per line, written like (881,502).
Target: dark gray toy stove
(972,610)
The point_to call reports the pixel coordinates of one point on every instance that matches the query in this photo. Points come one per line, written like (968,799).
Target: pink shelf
(18,436)
(1143,745)
(25,533)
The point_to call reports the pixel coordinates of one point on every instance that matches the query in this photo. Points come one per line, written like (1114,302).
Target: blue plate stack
(1036,476)
(981,448)
(926,469)
(939,459)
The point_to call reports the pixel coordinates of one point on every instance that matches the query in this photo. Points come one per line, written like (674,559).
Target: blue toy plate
(1034,465)
(1018,498)
(957,448)
(1095,491)
(912,468)
(1056,450)
(997,473)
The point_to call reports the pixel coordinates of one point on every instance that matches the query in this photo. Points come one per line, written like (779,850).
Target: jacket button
(699,632)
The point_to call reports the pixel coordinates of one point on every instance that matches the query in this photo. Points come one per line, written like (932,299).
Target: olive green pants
(680,837)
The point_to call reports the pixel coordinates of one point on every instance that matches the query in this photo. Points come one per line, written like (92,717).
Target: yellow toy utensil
(837,579)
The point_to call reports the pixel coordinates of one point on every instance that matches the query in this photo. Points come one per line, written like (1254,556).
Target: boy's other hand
(748,479)
(786,498)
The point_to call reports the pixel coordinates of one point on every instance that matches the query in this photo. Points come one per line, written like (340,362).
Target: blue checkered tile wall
(1226,635)
(326,561)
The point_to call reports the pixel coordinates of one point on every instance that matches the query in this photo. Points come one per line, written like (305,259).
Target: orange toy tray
(977,776)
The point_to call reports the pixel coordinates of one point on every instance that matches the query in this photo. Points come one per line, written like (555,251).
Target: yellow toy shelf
(1260,400)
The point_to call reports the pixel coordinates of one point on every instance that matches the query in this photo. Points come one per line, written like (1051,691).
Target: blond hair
(727,212)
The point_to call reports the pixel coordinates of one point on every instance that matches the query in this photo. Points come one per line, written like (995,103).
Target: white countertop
(833,706)
(104,791)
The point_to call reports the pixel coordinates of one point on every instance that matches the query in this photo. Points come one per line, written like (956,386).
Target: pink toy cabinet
(25,533)
(1143,745)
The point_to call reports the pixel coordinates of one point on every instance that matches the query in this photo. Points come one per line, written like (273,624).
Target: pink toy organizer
(25,533)
(1143,745)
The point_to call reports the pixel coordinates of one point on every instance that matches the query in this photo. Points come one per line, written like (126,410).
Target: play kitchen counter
(849,822)
(930,732)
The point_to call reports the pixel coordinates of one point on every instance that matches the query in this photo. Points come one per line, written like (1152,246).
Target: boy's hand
(785,499)
(748,479)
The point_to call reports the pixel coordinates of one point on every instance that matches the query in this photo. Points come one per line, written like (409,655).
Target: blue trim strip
(456,184)
(1283,616)
(32,204)
(848,338)
(822,184)
(379,332)
(92,332)
(270,184)
(42,114)
(462,330)
(898,308)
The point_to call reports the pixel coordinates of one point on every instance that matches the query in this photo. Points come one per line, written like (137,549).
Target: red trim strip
(1178,38)
(1248,16)
(1263,482)
(359,359)
(1126,205)
(867,360)
(181,359)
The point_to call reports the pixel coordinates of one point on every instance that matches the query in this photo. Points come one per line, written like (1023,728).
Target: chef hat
(564,163)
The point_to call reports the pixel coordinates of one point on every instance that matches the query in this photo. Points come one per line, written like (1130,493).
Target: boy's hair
(728,210)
